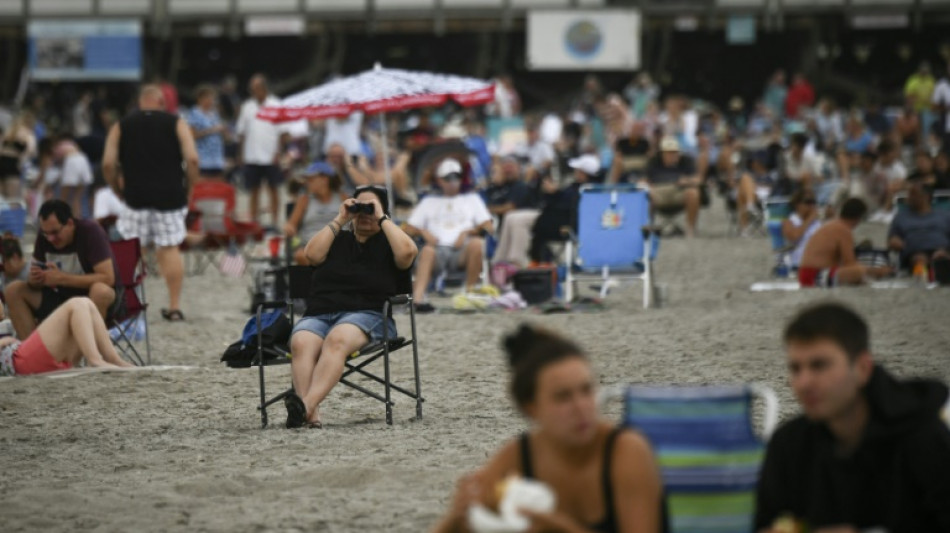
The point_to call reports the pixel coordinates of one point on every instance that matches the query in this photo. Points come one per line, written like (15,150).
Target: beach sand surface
(182,449)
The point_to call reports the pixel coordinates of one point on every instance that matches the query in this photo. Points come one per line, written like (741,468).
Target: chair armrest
(401,299)
(771,407)
(271,305)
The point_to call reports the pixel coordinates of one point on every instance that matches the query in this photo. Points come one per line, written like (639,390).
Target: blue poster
(741,30)
(85,50)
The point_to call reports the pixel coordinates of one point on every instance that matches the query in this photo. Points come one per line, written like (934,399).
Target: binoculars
(366,209)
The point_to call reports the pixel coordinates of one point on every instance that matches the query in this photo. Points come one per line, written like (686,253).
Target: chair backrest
(708,452)
(300,277)
(606,217)
(777,209)
(941,200)
(216,202)
(12,218)
(127,255)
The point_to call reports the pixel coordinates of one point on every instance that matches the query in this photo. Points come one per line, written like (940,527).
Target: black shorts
(211,172)
(255,175)
(51,299)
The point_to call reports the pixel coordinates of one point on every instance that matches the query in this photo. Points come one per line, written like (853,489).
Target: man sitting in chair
(920,233)
(674,182)
(452,225)
(355,272)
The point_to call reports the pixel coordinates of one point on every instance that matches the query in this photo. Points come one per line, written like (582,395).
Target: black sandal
(296,411)
(173,315)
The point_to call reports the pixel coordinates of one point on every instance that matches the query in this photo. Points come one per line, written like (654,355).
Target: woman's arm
(319,245)
(478,487)
(293,222)
(636,479)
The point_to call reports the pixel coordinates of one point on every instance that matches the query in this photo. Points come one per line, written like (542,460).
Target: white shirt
(447,217)
(261,138)
(893,173)
(345,132)
(941,94)
(541,155)
(107,204)
(796,255)
(796,169)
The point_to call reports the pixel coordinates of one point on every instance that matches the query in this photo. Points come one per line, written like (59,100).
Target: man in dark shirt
(870,452)
(919,232)
(631,155)
(150,145)
(70,258)
(508,191)
(674,182)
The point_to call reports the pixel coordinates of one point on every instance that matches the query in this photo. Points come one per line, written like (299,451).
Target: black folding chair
(299,279)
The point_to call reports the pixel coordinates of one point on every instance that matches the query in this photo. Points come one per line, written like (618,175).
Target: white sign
(274,26)
(606,39)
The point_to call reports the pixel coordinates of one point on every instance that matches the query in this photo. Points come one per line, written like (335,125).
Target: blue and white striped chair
(708,452)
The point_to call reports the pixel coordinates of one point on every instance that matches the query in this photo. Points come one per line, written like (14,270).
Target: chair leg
(415,362)
(263,407)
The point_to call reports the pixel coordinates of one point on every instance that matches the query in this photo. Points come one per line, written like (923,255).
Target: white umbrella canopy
(380,90)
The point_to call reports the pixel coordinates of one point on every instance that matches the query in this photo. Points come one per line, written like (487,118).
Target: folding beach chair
(132,306)
(13,218)
(708,452)
(214,203)
(777,210)
(357,364)
(614,240)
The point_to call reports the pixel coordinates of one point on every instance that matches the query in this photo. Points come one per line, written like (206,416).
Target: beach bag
(275,331)
(232,262)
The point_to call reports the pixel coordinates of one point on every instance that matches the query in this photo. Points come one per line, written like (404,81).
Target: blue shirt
(210,147)
(859,145)
(922,233)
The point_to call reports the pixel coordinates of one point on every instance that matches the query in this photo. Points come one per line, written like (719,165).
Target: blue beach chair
(614,242)
(777,210)
(708,452)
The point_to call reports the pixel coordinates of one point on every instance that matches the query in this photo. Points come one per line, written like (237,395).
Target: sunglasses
(809,201)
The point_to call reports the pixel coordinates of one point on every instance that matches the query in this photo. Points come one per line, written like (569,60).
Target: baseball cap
(669,144)
(588,164)
(320,167)
(449,167)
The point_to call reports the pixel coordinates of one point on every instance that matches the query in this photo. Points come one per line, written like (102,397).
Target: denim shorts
(369,322)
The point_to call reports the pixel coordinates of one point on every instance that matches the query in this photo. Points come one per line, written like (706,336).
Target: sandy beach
(182,449)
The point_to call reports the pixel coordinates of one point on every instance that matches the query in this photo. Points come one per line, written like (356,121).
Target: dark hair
(204,90)
(61,209)
(800,196)
(887,146)
(800,140)
(854,209)
(10,246)
(830,321)
(529,350)
(380,193)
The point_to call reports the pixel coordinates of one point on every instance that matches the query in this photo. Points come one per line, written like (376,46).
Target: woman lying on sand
(604,478)
(75,331)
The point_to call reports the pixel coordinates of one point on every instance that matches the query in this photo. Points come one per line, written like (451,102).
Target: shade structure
(380,90)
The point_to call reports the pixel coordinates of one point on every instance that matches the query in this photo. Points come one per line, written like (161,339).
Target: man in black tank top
(151,146)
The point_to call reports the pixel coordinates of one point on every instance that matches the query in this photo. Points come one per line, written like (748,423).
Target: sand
(181,449)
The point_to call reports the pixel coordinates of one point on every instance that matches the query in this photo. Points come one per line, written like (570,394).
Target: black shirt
(151,158)
(660,174)
(633,156)
(356,276)
(516,192)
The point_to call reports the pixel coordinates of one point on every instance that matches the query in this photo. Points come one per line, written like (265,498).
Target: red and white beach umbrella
(380,90)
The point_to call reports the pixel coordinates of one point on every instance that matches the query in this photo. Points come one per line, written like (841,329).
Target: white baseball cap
(447,167)
(669,144)
(588,164)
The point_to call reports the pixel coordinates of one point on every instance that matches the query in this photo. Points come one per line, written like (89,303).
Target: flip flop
(296,411)
(173,315)
(315,425)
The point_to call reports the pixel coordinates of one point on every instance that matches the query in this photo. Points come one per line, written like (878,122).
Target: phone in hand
(39,265)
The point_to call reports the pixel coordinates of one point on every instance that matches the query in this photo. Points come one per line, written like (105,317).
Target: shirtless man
(829,257)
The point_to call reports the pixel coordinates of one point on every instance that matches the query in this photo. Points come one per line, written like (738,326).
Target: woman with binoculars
(355,271)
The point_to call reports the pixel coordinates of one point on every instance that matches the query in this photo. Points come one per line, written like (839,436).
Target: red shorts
(32,357)
(817,277)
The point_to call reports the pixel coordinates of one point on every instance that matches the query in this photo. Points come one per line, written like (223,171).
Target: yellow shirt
(920,88)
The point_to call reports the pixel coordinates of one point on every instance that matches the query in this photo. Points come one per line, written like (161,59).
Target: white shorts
(76,171)
(150,226)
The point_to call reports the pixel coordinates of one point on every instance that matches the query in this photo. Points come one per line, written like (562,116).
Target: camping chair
(613,237)
(356,365)
(131,307)
(777,210)
(708,453)
(12,218)
(216,201)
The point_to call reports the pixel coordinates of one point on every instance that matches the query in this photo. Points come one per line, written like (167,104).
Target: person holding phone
(70,258)
(355,271)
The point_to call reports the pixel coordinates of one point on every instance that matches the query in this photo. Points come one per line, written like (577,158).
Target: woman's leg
(103,340)
(68,333)
(343,340)
(305,351)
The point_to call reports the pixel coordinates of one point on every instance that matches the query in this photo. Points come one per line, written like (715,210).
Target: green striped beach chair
(708,452)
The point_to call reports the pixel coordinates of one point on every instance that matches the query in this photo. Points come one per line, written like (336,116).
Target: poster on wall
(584,39)
(85,50)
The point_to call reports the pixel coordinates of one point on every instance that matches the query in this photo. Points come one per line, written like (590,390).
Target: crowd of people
(863,433)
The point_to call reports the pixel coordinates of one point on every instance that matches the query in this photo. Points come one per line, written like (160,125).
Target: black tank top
(609,523)
(151,158)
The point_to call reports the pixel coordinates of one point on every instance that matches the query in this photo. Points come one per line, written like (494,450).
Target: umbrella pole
(386,171)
